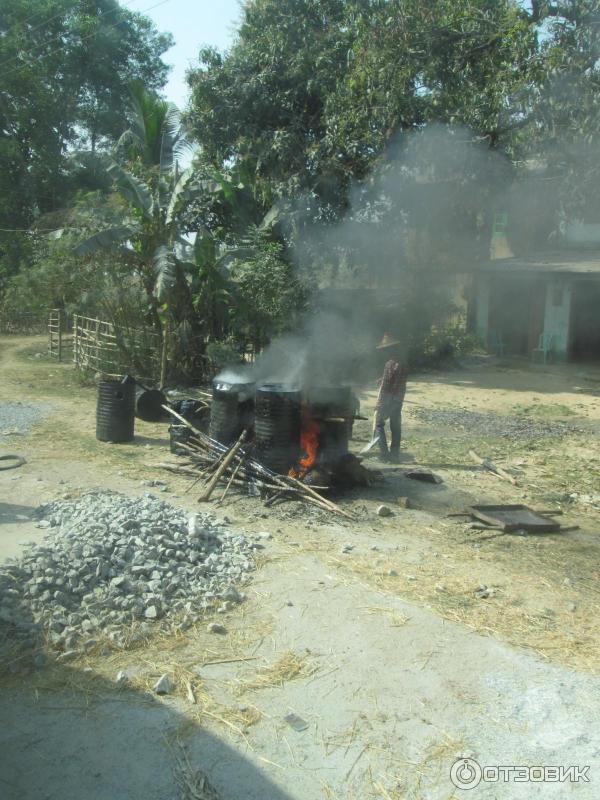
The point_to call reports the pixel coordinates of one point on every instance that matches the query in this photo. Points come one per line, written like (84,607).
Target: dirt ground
(384,650)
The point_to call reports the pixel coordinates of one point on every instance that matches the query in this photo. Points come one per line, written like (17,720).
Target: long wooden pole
(163,358)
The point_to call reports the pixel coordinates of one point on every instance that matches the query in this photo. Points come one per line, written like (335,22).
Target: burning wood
(234,466)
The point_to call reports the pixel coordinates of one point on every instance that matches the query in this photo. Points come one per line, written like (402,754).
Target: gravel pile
(487,424)
(17,417)
(109,561)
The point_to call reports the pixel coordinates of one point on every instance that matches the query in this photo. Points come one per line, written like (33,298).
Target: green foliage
(64,80)
(445,342)
(223,354)
(269,296)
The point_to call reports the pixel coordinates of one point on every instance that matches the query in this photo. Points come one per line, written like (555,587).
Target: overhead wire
(73,7)
(82,39)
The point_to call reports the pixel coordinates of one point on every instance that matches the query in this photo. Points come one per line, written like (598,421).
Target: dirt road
(384,650)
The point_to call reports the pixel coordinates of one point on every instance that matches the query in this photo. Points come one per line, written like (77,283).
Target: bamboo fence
(24,324)
(100,346)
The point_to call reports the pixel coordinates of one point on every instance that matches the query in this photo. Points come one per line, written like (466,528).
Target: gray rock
(214,627)
(384,511)
(163,685)
(152,612)
(122,677)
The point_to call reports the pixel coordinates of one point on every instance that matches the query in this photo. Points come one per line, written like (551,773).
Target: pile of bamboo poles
(211,462)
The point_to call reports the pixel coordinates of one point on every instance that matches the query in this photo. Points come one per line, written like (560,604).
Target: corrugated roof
(579,261)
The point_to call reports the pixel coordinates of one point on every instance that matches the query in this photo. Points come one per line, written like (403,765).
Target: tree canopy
(312,92)
(64,82)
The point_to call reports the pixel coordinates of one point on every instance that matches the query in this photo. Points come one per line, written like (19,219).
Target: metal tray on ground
(515,517)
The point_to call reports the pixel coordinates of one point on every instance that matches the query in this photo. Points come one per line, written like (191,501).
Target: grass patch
(545,411)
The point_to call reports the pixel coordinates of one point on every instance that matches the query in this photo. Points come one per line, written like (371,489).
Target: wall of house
(482,307)
(557,313)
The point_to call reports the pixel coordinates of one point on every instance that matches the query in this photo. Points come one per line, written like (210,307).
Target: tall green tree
(64,74)
(312,91)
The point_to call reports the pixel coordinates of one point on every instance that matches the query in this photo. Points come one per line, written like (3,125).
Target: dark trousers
(392,410)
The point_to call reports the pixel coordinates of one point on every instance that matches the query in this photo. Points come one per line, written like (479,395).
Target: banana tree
(177,260)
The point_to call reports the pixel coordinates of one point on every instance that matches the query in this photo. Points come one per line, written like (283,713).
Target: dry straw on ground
(534,604)
(288,667)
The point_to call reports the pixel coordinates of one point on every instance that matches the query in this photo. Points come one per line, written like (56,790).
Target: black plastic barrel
(232,410)
(277,423)
(332,408)
(329,401)
(115,411)
(149,404)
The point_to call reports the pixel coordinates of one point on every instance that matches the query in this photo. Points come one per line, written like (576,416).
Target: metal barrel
(115,411)
(277,424)
(329,401)
(232,410)
(149,403)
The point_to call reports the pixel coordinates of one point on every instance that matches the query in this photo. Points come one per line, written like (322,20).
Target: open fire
(309,446)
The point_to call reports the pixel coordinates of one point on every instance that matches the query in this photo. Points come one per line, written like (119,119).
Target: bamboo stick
(332,506)
(228,458)
(233,474)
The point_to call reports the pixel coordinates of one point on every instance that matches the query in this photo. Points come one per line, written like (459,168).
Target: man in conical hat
(390,398)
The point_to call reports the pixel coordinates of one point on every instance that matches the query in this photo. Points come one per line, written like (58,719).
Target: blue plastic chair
(545,347)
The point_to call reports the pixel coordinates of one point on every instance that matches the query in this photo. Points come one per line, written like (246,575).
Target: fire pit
(299,434)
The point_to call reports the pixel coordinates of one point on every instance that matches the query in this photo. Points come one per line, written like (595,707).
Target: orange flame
(309,444)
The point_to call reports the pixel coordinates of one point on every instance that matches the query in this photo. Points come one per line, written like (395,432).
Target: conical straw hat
(387,341)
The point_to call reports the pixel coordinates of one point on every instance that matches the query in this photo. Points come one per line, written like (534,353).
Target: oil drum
(277,424)
(149,404)
(332,408)
(232,410)
(115,411)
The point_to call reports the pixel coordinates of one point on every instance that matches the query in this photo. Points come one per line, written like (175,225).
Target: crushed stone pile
(18,417)
(488,424)
(109,561)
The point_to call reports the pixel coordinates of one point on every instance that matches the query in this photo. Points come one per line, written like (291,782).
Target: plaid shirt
(393,383)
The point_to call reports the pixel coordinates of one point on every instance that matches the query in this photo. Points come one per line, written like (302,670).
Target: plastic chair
(545,346)
(495,343)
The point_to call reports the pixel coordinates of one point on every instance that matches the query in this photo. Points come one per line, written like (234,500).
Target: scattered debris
(510,518)
(122,677)
(483,592)
(296,722)
(487,465)
(17,418)
(190,694)
(492,425)
(424,475)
